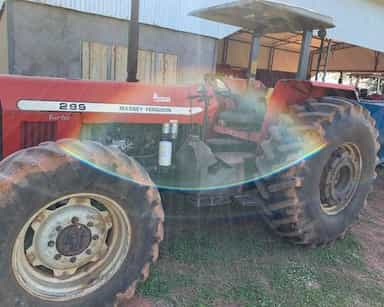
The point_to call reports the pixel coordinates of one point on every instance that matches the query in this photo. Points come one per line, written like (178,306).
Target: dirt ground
(370,229)
(368,233)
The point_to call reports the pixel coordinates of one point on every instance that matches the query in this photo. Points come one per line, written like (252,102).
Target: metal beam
(276,39)
(352,71)
(319,58)
(271,57)
(287,41)
(283,43)
(225,51)
(262,45)
(253,57)
(133,44)
(337,46)
(327,59)
(302,70)
(377,60)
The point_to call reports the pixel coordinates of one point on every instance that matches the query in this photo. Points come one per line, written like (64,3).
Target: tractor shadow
(211,258)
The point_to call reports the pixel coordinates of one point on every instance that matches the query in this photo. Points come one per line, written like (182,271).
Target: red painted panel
(16,88)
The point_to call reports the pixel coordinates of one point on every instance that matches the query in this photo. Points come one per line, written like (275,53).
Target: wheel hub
(71,247)
(73,240)
(63,243)
(340,179)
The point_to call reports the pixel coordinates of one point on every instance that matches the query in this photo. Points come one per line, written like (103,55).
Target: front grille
(34,133)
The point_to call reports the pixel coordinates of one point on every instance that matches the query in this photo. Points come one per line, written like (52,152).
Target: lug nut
(57,257)
(75,220)
(90,224)
(88,252)
(73,259)
(95,237)
(51,243)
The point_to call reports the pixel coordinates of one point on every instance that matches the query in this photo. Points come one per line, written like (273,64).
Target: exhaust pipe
(133,42)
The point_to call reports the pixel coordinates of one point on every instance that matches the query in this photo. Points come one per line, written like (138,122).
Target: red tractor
(81,215)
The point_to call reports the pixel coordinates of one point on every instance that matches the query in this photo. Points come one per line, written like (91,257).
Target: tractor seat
(248,114)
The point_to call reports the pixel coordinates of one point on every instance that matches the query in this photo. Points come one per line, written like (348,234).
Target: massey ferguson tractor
(86,164)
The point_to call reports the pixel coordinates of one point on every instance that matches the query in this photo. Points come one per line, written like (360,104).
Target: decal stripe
(87,107)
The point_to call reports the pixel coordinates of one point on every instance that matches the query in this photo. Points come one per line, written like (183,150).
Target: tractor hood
(109,99)
(264,17)
(64,106)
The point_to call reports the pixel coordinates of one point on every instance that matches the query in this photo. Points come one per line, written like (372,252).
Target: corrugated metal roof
(358,21)
(172,14)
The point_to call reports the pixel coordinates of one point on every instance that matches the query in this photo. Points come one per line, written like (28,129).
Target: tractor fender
(296,92)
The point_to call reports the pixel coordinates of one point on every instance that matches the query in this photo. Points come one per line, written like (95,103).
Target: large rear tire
(315,201)
(72,232)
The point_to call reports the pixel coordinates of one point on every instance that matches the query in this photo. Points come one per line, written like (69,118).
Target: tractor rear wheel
(73,232)
(315,201)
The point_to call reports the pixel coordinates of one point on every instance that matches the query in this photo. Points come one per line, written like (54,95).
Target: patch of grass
(156,286)
(347,251)
(249,293)
(214,265)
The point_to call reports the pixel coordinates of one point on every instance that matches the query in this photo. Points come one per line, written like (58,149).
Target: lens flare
(284,148)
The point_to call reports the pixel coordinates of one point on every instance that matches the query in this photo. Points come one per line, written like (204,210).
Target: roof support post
(319,59)
(329,49)
(271,58)
(322,34)
(302,70)
(253,57)
(133,44)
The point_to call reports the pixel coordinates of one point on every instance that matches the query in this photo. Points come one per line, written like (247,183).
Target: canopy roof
(264,17)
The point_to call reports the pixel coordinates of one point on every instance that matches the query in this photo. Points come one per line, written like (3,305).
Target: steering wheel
(218,84)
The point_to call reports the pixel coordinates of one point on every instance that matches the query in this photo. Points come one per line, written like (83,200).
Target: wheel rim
(340,179)
(71,247)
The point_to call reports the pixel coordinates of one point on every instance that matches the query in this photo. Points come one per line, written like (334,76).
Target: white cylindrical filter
(166,129)
(165,153)
(174,128)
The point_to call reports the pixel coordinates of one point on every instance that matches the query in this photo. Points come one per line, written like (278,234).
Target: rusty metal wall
(353,59)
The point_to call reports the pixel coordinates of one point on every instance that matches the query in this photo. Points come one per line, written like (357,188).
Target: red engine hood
(136,102)
(68,104)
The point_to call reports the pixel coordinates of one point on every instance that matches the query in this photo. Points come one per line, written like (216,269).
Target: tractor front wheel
(80,225)
(316,200)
